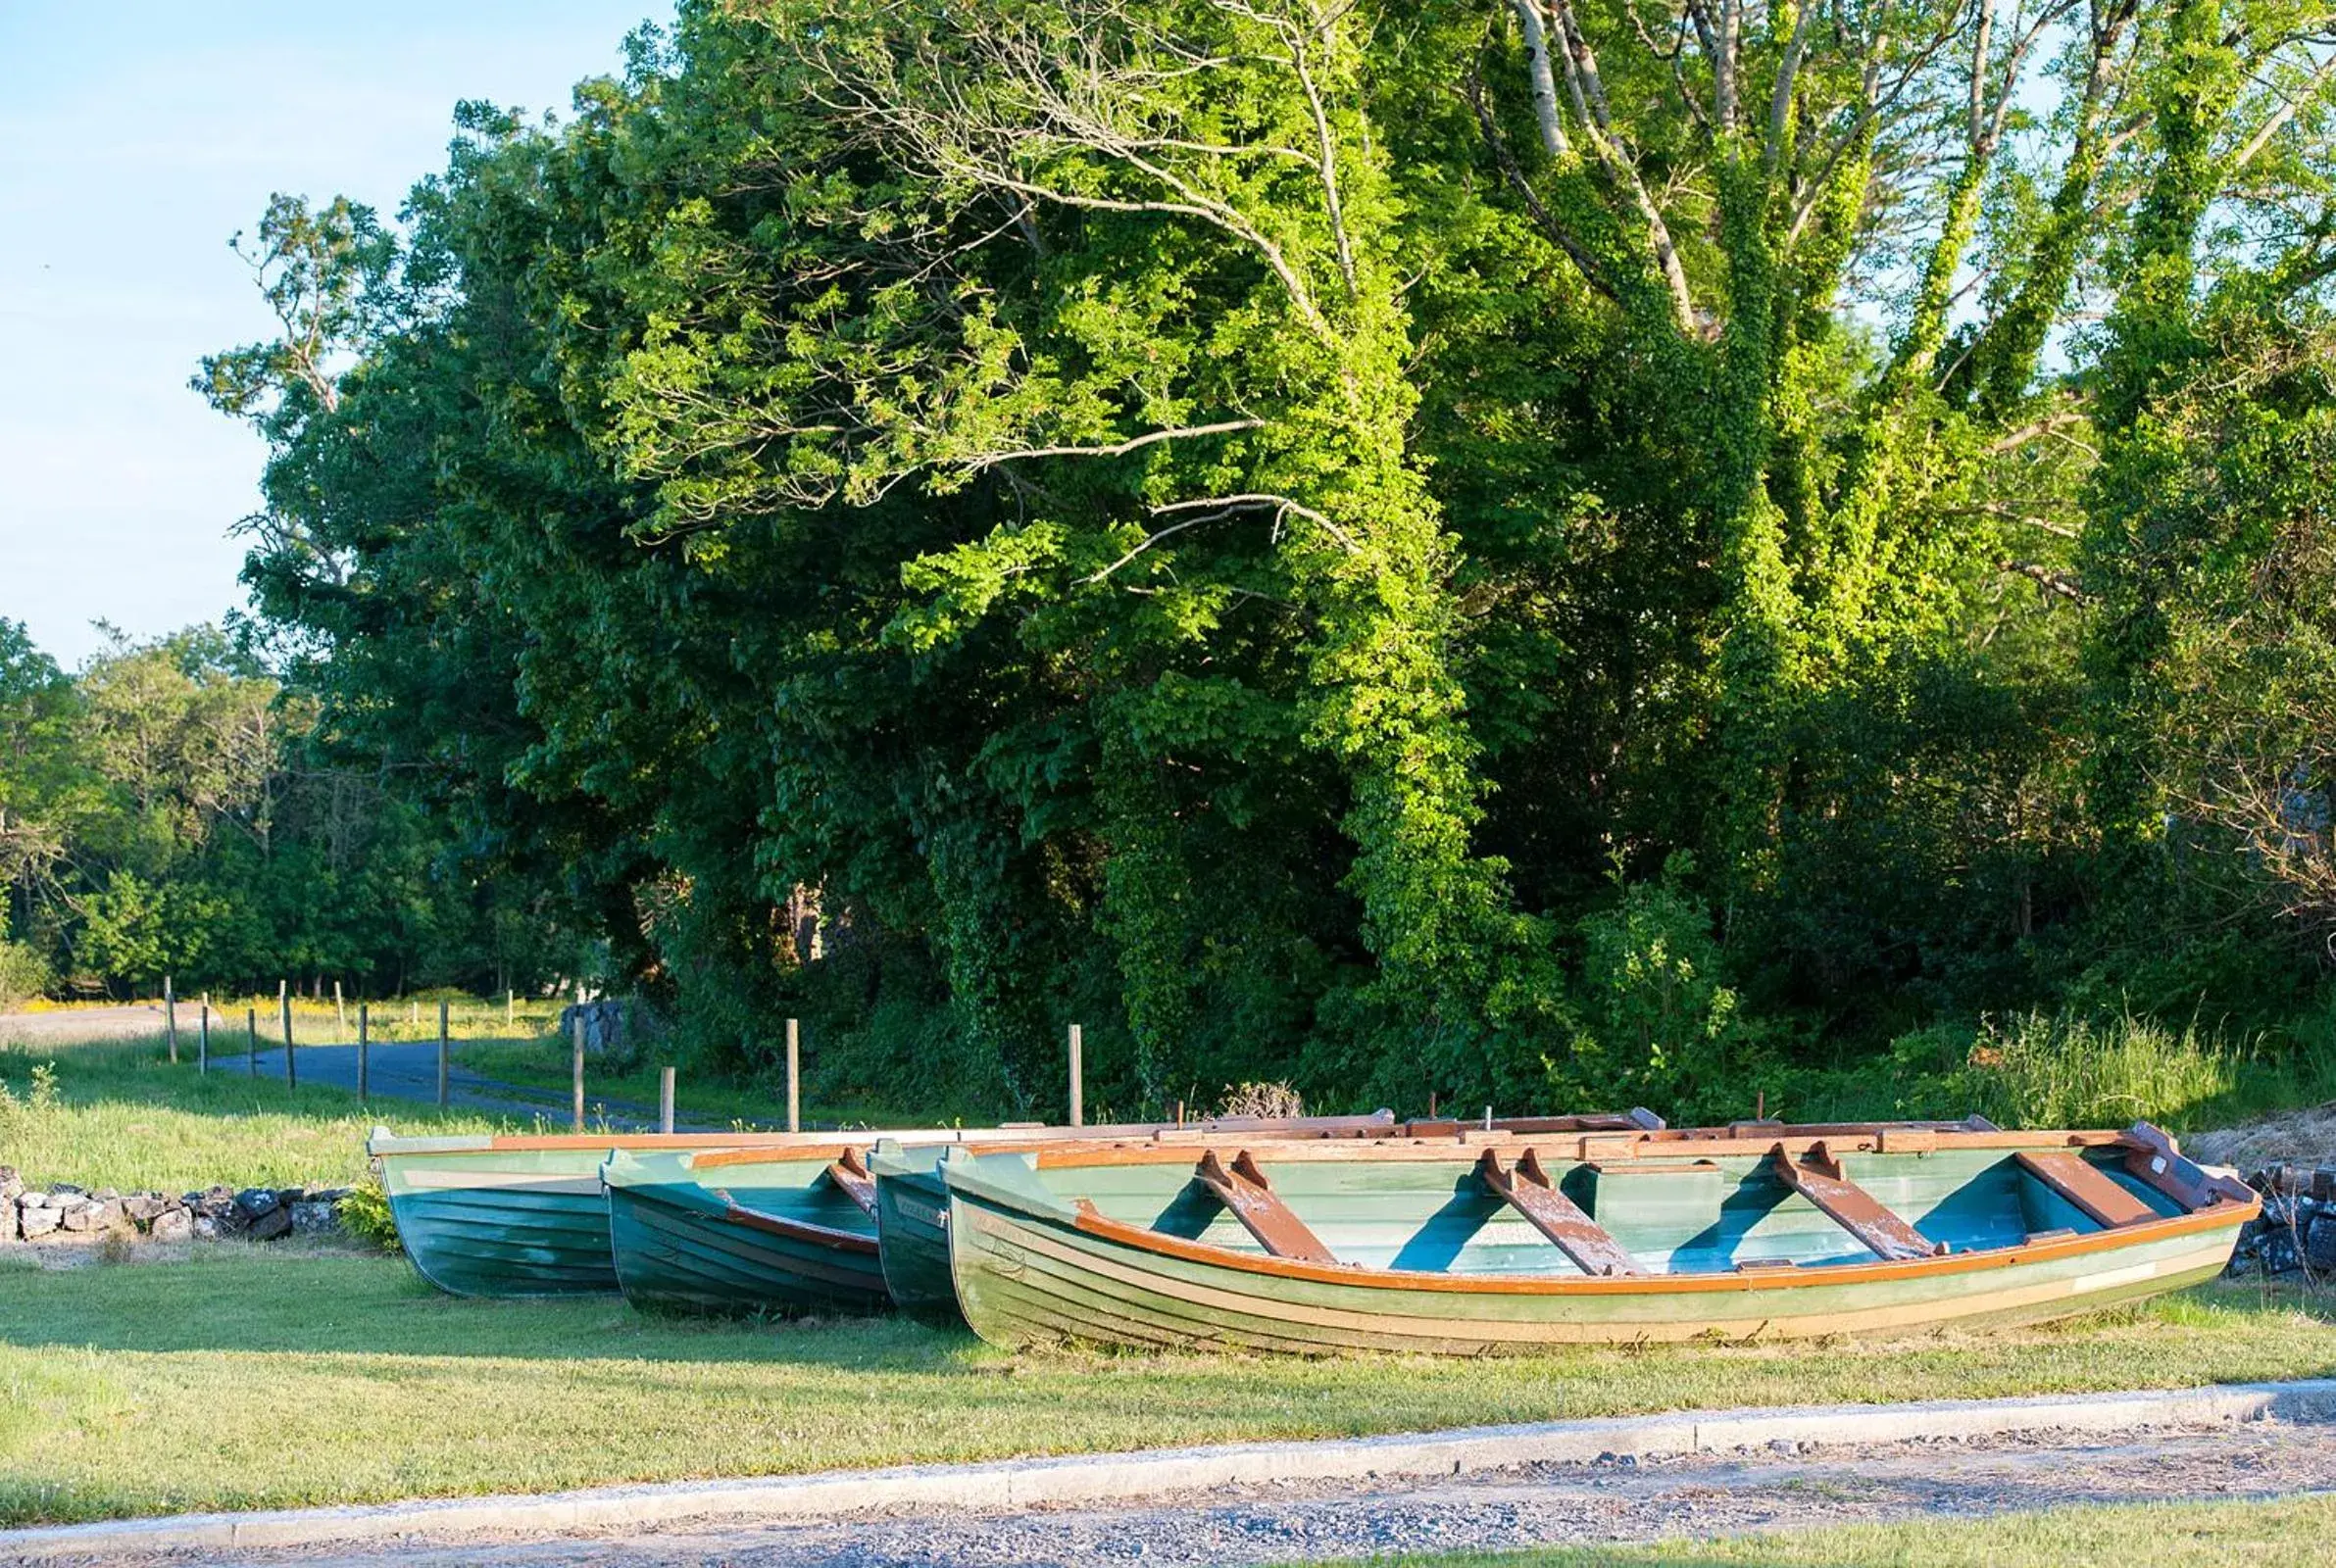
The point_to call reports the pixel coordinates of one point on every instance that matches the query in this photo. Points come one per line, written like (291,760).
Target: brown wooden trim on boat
(796,1230)
(815,1153)
(1529,1190)
(1242,1188)
(2152,1156)
(2034,1250)
(852,1178)
(1818,1177)
(1586,1149)
(2088,1187)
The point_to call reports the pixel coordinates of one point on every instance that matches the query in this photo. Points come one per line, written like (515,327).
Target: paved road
(1697,1496)
(409,1070)
(394,1070)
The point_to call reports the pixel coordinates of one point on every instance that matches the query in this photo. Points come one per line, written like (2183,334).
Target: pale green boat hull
(1430,1264)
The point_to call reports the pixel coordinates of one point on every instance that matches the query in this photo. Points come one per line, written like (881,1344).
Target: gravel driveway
(1621,1500)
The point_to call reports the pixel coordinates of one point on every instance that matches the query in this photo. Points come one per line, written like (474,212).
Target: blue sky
(135,139)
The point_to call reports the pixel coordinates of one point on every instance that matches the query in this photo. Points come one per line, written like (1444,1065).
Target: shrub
(1660,1028)
(365,1214)
(25,974)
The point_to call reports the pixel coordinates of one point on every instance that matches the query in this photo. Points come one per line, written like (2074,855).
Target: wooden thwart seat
(2087,1186)
(1819,1178)
(1528,1190)
(1243,1189)
(852,1178)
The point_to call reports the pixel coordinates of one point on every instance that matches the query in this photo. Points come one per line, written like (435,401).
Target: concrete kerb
(1120,1477)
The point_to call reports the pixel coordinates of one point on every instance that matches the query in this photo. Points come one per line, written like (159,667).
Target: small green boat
(790,1231)
(1485,1244)
(524,1215)
(913,1200)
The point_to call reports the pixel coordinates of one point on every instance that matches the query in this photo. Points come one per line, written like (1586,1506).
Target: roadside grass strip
(240,1379)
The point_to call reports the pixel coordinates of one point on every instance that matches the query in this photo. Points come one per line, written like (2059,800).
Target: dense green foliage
(171,810)
(1536,550)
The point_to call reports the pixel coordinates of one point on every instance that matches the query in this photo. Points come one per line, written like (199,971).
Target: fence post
(510,1011)
(340,1015)
(251,1027)
(1079,1079)
(170,1016)
(441,1053)
(203,1042)
(577,1082)
(794,1078)
(665,1100)
(283,1006)
(364,1036)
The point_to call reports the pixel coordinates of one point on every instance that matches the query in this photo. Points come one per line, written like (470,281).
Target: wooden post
(1078,1078)
(251,1026)
(576,1082)
(665,1100)
(283,1006)
(794,1079)
(203,1040)
(170,1016)
(441,1053)
(340,1015)
(365,1040)
(509,1011)
(414,1017)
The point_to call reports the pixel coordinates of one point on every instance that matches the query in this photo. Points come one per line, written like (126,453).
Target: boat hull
(775,1243)
(1027,1272)
(913,1236)
(499,1224)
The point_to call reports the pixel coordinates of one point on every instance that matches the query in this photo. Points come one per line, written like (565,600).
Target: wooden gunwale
(806,1154)
(2216,1217)
(1582,1148)
(796,1230)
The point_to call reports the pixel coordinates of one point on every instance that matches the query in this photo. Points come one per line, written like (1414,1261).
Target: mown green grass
(244,1378)
(2164,1535)
(123,1115)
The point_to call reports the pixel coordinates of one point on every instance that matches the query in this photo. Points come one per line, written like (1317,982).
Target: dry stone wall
(64,1213)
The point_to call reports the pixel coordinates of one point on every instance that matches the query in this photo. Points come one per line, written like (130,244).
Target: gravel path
(1621,1501)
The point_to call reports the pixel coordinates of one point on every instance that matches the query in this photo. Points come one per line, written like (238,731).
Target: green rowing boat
(1483,1243)
(525,1216)
(789,1231)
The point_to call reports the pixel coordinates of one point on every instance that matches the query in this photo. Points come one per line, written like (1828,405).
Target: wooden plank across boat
(912,1202)
(1482,1243)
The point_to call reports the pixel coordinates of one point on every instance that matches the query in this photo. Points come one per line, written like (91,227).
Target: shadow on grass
(339,1302)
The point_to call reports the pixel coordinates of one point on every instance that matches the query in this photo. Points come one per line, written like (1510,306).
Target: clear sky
(136,136)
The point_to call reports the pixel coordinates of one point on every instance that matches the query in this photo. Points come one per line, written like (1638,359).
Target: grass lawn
(123,1117)
(244,1378)
(2164,1535)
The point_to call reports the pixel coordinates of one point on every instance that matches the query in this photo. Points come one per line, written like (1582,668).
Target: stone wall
(64,1213)
(2297,1231)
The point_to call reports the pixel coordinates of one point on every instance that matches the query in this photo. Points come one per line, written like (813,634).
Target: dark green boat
(790,1231)
(522,1216)
(1486,1244)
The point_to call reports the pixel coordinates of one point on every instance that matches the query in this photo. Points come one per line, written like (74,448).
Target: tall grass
(2059,1070)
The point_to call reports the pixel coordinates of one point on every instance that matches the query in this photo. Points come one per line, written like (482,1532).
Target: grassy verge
(120,1114)
(2164,1535)
(244,1378)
